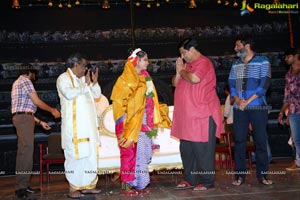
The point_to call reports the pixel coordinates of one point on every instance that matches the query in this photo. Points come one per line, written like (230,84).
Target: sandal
(265,181)
(75,195)
(183,185)
(91,191)
(130,192)
(238,181)
(200,187)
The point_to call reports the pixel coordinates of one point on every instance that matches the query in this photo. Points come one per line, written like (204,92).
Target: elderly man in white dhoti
(77,88)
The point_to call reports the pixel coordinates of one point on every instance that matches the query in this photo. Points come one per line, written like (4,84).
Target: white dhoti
(82,153)
(82,173)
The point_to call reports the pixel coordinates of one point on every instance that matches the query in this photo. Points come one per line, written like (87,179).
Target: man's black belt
(22,113)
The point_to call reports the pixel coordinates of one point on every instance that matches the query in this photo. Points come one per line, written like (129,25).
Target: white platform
(167,157)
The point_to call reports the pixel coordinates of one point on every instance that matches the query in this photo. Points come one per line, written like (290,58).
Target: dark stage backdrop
(90,19)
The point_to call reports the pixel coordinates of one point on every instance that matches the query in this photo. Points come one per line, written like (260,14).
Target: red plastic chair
(50,153)
(225,147)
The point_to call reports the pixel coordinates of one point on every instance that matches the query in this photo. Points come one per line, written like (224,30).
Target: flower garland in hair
(148,128)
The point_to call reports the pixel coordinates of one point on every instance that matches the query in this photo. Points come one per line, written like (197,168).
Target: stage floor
(287,186)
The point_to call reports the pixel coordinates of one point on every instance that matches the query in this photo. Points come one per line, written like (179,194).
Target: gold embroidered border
(75,140)
(87,187)
(74,120)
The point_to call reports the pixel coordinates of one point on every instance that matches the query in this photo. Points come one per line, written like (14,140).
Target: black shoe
(21,194)
(30,190)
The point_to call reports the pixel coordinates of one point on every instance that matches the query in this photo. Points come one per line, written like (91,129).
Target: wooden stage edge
(287,186)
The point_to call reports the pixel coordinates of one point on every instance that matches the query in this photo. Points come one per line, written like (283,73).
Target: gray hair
(76,58)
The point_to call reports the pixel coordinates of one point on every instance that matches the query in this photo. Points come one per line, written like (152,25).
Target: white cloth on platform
(79,129)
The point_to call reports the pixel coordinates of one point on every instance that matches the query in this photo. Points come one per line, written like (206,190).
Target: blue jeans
(258,119)
(295,156)
(270,157)
(295,129)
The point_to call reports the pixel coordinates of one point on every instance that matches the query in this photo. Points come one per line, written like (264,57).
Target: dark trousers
(198,158)
(258,119)
(25,131)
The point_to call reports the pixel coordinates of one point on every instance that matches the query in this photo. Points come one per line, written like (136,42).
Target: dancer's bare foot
(115,176)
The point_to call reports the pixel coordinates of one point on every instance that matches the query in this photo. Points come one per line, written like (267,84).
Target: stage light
(192,4)
(16,4)
(69,4)
(50,4)
(105,4)
(77,2)
(235,4)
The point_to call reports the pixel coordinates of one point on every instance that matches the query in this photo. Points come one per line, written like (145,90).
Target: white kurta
(228,111)
(79,129)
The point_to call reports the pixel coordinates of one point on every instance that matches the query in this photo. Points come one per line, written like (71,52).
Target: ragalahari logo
(246,9)
(273,8)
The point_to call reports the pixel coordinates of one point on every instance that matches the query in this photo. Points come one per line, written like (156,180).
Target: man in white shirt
(228,110)
(77,88)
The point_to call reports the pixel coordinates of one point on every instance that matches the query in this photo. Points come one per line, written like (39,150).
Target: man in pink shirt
(197,118)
